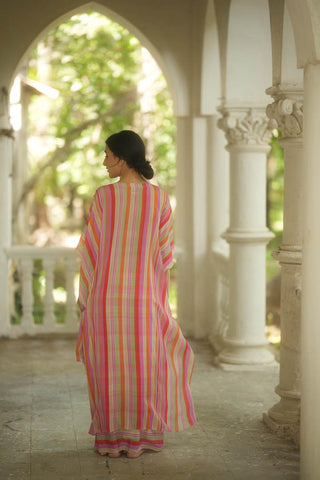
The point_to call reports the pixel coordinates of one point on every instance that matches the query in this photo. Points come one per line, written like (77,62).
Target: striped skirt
(130,441)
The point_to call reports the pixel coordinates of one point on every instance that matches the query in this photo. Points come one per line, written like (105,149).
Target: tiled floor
(45,419)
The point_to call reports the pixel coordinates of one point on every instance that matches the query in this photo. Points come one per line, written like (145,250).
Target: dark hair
(128,146)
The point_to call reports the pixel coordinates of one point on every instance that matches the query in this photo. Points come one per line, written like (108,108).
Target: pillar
(286,114)
(5,209)
(191,226)
(310,325)
(247,134)
(218,221)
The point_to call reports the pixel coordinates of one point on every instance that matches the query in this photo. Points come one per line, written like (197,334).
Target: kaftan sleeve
(166,234)
(88,249)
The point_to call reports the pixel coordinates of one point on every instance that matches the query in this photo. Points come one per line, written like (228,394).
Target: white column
(310,324)
(5,209)
(247,134)
(218,221)
(286,114)
(183,231)
(191,226)
(217,182)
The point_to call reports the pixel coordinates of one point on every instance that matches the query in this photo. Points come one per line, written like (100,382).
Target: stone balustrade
(22,259)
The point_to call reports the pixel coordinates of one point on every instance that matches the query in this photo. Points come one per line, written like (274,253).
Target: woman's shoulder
(160,190)
(103,189)
(107,189)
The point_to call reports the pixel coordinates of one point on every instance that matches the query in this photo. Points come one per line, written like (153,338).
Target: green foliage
(38,288)
(38,291)
(173,291)
(92,69)
(96,65)
(275,186)
(164,147)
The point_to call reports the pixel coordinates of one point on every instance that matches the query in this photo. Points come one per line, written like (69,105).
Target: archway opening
(84,80)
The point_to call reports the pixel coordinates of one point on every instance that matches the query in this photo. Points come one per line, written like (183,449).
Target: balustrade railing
(24,270)
(23,276)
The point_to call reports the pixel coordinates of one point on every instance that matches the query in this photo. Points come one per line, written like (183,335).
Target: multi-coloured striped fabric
(138,363)
(130,441)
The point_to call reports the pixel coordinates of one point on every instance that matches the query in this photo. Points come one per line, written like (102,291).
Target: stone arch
(177,85)
(168,61)
(305,18)
(284,55)
(249,62)
(210,67)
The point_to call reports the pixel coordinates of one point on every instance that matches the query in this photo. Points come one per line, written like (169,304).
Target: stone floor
(45,418)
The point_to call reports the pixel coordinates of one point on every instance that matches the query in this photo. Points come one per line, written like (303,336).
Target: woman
(138,363)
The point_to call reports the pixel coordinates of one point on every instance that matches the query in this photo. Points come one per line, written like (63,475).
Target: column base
(284,419)
(240,354)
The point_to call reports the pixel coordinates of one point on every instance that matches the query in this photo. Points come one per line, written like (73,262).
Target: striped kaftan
(138,363)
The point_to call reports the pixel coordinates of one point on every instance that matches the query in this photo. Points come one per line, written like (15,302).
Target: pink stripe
(130,332)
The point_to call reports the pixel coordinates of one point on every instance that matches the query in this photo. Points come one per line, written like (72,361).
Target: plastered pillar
(218,221)
(5,209)
(248,136)
(310,323)
(286,114)
(191,226)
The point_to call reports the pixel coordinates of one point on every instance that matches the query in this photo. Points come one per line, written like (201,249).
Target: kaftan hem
(129,441)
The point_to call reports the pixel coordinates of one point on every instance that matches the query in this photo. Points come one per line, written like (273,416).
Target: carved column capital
(286,112)
(245,125)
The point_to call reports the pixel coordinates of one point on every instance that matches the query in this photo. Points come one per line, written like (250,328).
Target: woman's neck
(131,176)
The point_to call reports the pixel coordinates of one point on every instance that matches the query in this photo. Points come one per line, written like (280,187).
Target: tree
(96,65)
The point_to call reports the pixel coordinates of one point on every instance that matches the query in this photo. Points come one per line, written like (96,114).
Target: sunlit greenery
(96,65)
(275,173)
(275,189)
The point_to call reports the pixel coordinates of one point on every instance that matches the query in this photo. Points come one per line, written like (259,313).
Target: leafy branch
(70,136)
